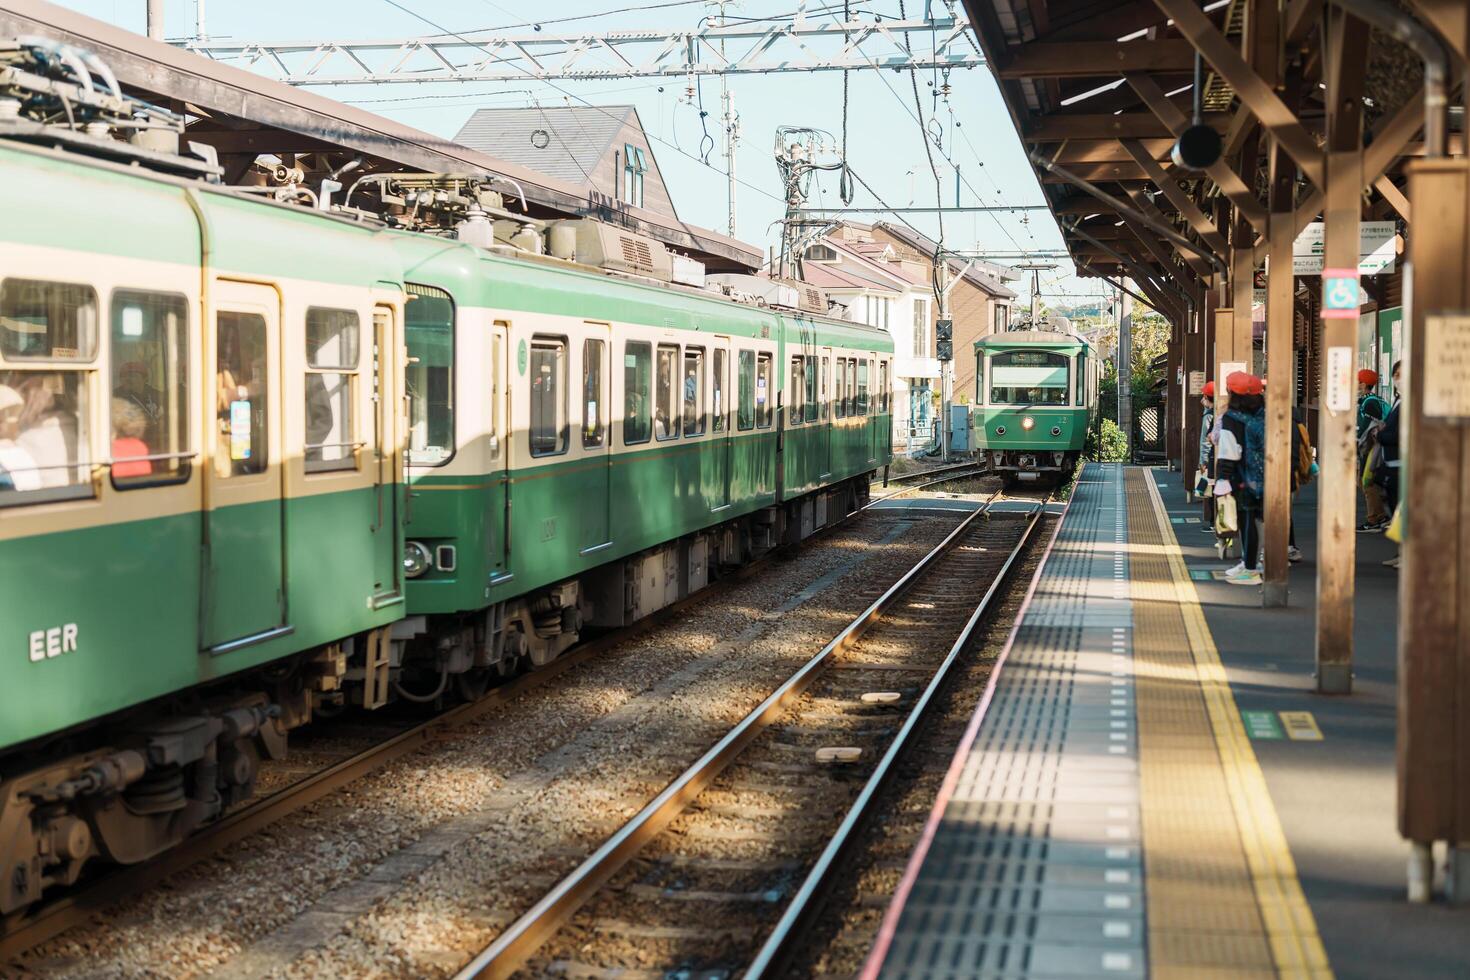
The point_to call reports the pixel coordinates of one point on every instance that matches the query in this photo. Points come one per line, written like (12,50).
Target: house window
(635,165)
(921,328)
(821,253)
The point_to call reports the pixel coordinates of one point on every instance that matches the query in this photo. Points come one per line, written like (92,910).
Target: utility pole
(155,20)
(1125,369)
(730,121)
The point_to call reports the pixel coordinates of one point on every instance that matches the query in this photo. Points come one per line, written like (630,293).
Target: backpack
(1303,463)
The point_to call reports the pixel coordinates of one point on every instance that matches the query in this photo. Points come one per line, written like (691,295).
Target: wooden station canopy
(244,115)
(1339,111)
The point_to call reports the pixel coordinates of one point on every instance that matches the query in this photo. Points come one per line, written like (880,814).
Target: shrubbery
(1106,443)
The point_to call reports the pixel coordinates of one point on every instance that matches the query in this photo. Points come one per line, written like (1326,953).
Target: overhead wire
(569,95)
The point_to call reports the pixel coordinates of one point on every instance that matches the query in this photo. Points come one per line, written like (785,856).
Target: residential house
(979,304)
(884,288)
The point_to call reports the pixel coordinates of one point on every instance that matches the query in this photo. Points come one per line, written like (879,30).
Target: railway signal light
(944,339)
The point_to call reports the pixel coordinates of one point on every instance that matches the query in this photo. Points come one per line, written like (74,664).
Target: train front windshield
(1026,377)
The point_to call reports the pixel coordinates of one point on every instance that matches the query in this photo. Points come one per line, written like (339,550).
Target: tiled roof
(927,246)
(566,142)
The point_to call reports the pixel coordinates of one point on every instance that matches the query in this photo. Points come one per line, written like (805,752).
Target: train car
(199,479)
(213,406)
(586,448)
(1035,397)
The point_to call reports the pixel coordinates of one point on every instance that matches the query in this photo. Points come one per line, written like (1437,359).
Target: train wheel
(472,684)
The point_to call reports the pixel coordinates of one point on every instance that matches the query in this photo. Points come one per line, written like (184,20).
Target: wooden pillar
(1337,546)
(1280,308)
(1176,384)
(1434,591)
(1194,360)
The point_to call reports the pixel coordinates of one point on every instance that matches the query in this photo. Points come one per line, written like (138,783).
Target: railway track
(390,742)
(717,874)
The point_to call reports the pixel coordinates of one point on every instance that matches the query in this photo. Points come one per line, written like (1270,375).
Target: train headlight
(1056,430)
(1028,423)
(416,559)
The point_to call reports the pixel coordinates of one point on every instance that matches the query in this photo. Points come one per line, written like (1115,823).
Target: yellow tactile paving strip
(1222,892)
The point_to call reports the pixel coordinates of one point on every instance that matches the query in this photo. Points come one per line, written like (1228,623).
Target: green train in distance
(1035,398)
(263,460)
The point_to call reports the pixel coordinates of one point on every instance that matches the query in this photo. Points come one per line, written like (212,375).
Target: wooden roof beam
(1110,151)
(1140,200)
(1254,91)
(1088,59)
(1228,181)
(1104,126)
(1183,203)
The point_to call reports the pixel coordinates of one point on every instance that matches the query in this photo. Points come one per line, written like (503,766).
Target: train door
(877,398)
(718,491)
(497,519)
(597,436)
(387,548)
(824,412)
(243,514)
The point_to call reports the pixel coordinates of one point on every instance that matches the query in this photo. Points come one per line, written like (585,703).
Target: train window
(839,401)
(637,366)
(242,387)
(1078,366)
(809,403)
(826,382)
(549,416)
(794,413)
(332,338)
(745,410)
(44,436)
(862,386)
(428,321)
(150,389)
(852,401)
(593,425)
(979,377)
(883,393)
(718,409)
(693,391)
(763,389)
(548,396)
(1028,377)
(497,375)
(665,413)
(47,321)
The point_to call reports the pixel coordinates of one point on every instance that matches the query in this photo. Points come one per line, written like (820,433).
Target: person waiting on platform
(1390,438)
(1206,456)
(1372,412)
(1241,468)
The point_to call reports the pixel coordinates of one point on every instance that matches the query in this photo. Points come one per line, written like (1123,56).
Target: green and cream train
(260,462)
(1035,397)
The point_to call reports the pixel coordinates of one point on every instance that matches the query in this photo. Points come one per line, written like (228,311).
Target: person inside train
(17,466)
(128,426)
(48,429)
(132,383)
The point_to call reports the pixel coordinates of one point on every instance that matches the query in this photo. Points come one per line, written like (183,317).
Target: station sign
(1376,248)
(1340,379)
(1447,373)
(1341,296)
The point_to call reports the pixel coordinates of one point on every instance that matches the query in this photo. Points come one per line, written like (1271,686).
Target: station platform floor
(1150,785)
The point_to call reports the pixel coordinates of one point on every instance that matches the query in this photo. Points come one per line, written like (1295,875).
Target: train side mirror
(1198,148)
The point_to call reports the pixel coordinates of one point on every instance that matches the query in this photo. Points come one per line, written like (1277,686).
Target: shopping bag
(1395,532)
(1226,522)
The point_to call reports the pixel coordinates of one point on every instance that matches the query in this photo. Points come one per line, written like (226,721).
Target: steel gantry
(802,43)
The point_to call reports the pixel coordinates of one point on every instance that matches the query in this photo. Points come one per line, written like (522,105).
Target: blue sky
(884,142)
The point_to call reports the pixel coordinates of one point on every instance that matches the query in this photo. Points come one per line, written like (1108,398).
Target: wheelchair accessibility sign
(1340,297)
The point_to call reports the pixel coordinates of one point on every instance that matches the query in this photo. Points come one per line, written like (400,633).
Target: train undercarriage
(129,788)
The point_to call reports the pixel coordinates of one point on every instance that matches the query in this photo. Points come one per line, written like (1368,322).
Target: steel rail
(523,937)
(795,922)
(24,931)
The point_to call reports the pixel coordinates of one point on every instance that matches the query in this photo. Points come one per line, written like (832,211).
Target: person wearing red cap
(1241,468)
(1372,411)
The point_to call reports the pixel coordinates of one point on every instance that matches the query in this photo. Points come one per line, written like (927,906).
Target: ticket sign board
(1447,373)
(1376,249)
(1196,382)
